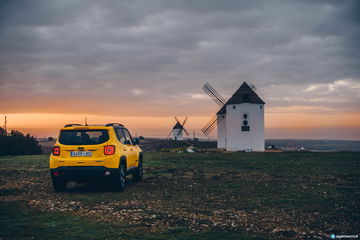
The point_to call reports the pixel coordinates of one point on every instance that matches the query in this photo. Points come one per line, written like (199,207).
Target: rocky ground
(296,196)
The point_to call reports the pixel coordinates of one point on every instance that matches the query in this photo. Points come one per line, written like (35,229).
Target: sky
(143,62)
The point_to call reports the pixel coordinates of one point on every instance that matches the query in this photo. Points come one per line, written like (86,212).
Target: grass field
(189,196)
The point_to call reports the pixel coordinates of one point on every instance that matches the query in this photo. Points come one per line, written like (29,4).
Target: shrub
(16,143)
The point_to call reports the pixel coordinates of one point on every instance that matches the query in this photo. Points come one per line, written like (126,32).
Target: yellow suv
(88,153)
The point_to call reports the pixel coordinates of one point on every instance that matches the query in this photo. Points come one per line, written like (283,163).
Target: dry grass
(186,196)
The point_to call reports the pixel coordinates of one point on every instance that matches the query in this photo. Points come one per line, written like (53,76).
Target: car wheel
(120,180)
(138,174)
(59,185)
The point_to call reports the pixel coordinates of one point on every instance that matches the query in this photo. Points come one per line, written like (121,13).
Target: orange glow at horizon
(48,124)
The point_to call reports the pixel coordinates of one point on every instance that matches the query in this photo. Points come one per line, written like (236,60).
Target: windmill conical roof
(177,126)
(244,94)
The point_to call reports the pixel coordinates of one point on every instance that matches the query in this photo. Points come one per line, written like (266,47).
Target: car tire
(120,178)
(138,174)
(59,185)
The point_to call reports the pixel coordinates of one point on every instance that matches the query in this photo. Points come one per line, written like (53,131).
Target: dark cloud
(157,54)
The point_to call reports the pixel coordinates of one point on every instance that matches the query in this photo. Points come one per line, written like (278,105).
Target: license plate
(81,154)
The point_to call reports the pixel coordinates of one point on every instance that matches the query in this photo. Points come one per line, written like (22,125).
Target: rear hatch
(82,147)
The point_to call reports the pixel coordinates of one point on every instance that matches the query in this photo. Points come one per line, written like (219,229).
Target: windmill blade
(212,124)
(186,132)
(184,121)
(182,127)
(216,93)
(214,121)
(218,99)
(180,130)
(177,119)
(170,133)
(207,125)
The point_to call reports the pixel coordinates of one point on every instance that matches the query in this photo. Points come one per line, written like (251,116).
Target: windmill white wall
(177,134)
(221,133)
(254,139)
(242,119)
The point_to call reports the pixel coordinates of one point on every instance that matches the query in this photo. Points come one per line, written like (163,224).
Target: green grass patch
(313,191)
(19,222)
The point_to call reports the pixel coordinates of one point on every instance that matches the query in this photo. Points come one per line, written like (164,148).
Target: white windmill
(240,120)
(178,129)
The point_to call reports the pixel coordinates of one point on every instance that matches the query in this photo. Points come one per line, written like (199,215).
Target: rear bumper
(83,173)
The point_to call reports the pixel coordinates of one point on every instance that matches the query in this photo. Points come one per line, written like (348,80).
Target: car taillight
(109,150)
(56,151)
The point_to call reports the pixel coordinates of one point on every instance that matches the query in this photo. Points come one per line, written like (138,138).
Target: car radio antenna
(86,121)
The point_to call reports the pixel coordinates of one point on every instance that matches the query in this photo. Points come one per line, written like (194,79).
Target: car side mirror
(136,141)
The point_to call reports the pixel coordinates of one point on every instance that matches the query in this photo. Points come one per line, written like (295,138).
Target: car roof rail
(114,125)
(72,124)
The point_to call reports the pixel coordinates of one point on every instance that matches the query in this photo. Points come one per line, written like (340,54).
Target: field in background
(154,145)
(189,196)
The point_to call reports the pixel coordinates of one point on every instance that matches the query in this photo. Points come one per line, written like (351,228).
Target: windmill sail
(218,99)
(182,126)
(178,129)
(170,133)
(214,121)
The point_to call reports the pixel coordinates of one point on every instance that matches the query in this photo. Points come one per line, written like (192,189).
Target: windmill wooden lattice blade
(184,121)
(169,133)
(182,127)
(177,119)
(214,121)
(216,93)
(218,99)
(186,132)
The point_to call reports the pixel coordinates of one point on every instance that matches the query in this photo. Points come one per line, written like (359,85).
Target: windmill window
(245,123)
(260,106)
(234,107)
(245,128)
(245,115)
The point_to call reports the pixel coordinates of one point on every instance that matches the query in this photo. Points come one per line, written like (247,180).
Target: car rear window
(83,137)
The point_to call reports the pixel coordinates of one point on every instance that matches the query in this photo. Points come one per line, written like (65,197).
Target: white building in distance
(242,124)
(177,132)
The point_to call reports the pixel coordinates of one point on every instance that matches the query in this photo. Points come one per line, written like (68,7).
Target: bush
(16,143)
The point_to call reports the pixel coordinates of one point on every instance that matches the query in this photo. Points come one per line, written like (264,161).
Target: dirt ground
(296,196)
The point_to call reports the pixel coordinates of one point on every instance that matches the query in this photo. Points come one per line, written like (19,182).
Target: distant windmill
(178,129)
(240,120)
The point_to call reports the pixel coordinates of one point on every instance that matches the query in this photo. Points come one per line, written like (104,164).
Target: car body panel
(131,153)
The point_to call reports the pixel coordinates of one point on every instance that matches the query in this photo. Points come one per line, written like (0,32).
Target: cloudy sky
(142,62)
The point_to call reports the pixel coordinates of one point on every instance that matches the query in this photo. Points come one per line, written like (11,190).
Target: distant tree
(50,139)
(3,141)
(16,143)
(3,132)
